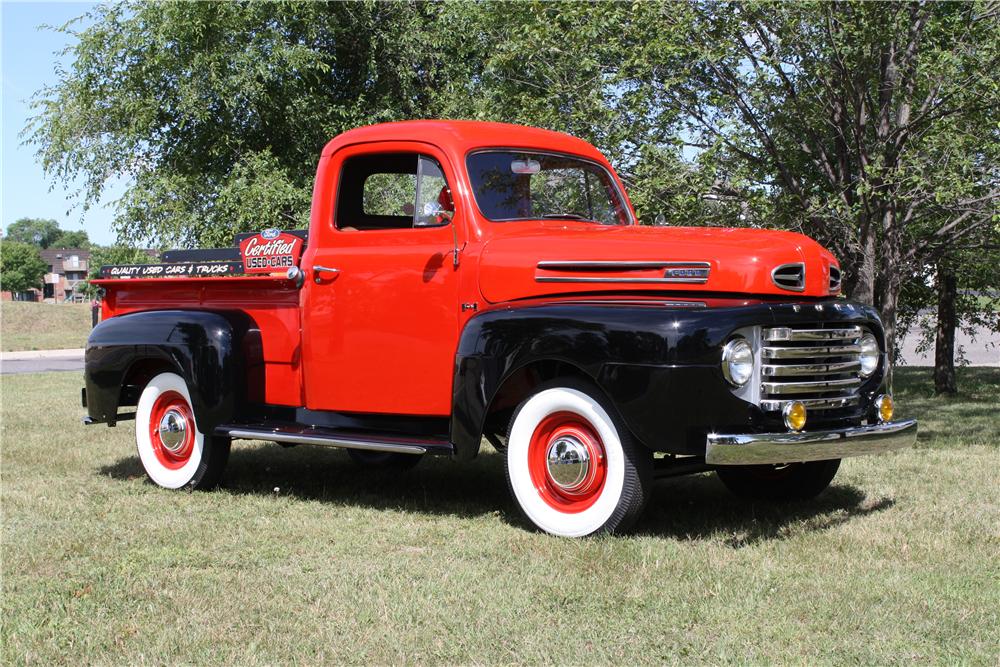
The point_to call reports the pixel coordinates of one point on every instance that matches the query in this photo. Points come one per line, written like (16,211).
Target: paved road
(982,349)
(13,367)
(41,361)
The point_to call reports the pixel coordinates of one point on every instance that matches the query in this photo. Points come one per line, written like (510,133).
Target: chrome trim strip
(770,352)
(777,448)
(800,287)
(557,279)
(837,368)
(773,334)
(833,403)
(583,265)
(300,439)
(783,388)
(640,302)
(701,269)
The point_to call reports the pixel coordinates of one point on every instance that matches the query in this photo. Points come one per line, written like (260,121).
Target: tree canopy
(21,266)
(41,232)
(45,233)
(869,126)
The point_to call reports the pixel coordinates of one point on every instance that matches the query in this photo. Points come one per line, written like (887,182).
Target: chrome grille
(815,365)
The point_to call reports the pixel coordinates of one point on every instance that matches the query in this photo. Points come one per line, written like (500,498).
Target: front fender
(205,348)
(629,351)
(658,363)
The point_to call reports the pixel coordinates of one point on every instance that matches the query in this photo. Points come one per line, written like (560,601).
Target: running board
(300,435)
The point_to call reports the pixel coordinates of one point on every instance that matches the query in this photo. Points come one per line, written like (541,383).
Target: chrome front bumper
(771,448)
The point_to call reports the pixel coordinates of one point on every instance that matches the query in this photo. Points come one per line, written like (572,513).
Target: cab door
(380,304)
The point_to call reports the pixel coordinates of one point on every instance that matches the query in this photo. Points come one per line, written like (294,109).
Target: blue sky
(28,63)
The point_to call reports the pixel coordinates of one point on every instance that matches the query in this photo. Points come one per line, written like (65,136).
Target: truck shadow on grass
(699,507)
(688,508)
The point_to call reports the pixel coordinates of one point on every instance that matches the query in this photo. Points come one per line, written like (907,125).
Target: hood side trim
(673,271)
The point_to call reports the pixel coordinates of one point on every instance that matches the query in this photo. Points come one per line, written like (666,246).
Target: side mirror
(660,220)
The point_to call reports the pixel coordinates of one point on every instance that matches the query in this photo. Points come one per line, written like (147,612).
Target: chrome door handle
(317,270)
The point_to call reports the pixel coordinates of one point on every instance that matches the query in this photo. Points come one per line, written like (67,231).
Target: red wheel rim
(171,430)
(583,492)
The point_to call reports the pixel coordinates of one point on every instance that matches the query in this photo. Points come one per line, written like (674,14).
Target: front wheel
(572,466)
(173,451)
(794,481)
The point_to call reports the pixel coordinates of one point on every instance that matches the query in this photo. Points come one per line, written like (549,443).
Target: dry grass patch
(43,326)
(303,558)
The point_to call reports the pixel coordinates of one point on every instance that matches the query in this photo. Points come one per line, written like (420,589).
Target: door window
(392,191)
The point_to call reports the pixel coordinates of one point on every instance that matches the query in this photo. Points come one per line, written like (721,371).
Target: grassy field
(43,326)
(303,558)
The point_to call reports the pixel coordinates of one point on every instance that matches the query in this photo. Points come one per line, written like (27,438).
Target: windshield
(519,185)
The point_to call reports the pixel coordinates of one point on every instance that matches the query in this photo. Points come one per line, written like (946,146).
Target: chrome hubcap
(172,428)
(568,462)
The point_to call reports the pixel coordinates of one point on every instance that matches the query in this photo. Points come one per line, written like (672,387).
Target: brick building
(67,270)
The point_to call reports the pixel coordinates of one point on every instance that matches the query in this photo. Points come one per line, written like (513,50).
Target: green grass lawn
(43,326)
(301,557)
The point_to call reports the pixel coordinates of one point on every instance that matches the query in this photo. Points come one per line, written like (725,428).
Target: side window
(392,191)
(434,203)
(389,194)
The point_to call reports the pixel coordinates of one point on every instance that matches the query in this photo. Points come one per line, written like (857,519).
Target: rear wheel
(572,466)
(794,481)
(173,452)
(384,460)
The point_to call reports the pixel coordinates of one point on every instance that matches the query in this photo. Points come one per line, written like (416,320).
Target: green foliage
(45,233)
(41,232)
(72,239)
(221,98)
(21,267)
(869,126)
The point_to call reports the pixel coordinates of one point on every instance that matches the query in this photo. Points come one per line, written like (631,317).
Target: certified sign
(270,251)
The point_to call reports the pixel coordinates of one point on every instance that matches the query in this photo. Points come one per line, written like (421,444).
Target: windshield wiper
(570,216)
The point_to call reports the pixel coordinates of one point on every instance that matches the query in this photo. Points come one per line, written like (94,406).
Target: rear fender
(209,350)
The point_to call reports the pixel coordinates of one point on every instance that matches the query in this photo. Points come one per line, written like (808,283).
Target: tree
(36,231)
(223,108)
(21,266)
(958,292)
(71,239)
(869,126)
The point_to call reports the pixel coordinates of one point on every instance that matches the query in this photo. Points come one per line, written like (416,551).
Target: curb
(42,354)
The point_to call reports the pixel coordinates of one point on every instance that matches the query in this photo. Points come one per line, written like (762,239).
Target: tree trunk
(888,306)
(944,345)
(887,286)
(863,287)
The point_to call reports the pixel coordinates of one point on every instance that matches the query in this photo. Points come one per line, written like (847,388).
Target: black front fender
(209,350)
(634,354)
(658,364)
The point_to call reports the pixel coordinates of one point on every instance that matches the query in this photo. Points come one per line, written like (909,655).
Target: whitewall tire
(572,466)
(173,452)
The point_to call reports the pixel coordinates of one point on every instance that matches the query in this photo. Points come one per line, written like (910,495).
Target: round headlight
(869,355)
(737,362)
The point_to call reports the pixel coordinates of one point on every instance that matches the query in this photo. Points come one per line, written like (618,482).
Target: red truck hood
(528,259)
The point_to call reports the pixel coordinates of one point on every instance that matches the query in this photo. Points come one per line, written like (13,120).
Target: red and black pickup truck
(465,280)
